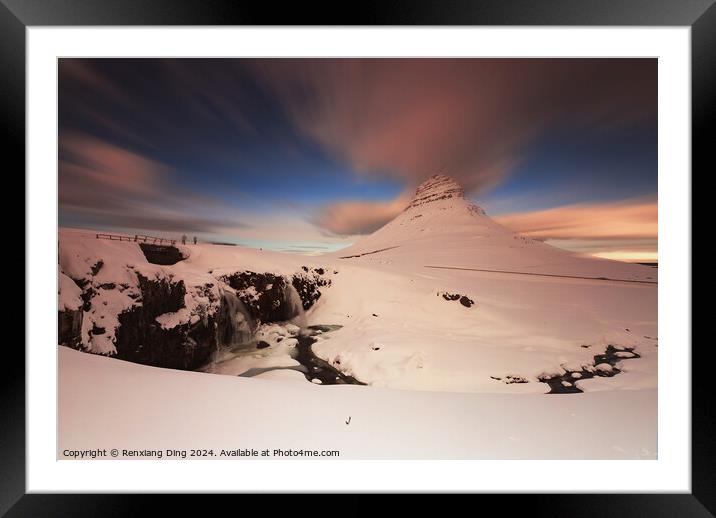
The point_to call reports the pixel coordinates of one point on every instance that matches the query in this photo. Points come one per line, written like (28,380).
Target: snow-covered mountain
(441,227)
(444,298)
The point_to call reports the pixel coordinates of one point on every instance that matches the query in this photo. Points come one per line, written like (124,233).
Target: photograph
(357,258)
(413,247)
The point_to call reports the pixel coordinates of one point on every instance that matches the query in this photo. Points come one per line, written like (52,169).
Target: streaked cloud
(624,230)
(109,186)
(469,118)
(618,220)
(359,217)
(630,255)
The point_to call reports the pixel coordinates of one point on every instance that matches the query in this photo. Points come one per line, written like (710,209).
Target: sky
(307,155)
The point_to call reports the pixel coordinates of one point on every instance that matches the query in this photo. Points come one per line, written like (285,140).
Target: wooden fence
(138,238)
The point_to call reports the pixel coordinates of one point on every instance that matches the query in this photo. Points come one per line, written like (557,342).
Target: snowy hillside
(522,327)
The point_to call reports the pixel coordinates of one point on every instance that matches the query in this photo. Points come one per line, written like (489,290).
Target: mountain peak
(437,187)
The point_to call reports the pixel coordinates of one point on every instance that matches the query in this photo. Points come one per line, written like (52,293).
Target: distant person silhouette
(183,239)
(194,239)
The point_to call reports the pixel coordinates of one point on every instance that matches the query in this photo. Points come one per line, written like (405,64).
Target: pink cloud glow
(359,217)
(624,231)
(467,118)
(622,220)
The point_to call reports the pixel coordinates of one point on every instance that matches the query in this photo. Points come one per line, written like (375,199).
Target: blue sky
(565,168)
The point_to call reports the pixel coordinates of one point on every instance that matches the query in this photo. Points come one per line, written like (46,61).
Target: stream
(609,360)
(237,337)
(316,368)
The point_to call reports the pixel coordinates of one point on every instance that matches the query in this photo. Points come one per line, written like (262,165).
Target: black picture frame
(700,15)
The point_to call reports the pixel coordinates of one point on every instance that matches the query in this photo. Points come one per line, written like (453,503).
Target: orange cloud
(624,231)
(587,221)
(117,188)
(629,255)
(90,163)
(359,217)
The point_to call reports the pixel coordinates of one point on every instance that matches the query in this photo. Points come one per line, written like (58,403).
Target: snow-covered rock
(272,297)
(69,294)
(135,310)
(604,367)
(69,311)
(437,187)
(113,301)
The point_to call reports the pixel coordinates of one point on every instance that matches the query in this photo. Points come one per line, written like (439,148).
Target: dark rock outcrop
(464,299)
(307,285)
(264,295)
(268,297)
(437,187)
(511,379)
(183,338)
(161,254)
(161,296)
(69,326)
(140,338)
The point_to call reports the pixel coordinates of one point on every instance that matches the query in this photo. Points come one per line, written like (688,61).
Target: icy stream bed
(317,369)
(281,350)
